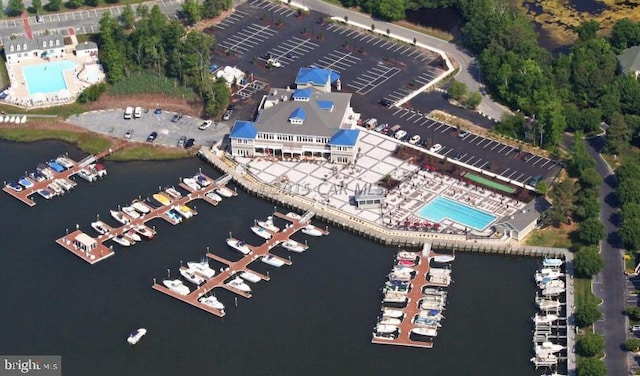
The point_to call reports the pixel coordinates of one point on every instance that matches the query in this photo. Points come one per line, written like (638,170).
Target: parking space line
(469,160)
(438,127)
(511,174)
(504,172)
(538,160)
(519,177)
(552,166)
(482,139)
(497,144)
(545,163)
(445,129)
(476,162)
(445,153)
(474,137)
(399,110)
(500,151)
(511,149)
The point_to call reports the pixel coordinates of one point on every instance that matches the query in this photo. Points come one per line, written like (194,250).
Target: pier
(93,250)
(25,194)
(234,267)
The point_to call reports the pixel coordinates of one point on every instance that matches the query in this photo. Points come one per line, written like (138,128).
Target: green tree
(630,224)
(142,10)
(91,3)
(457,90)
(632,344)
(633,312)
(36,5)
(618,134)
(591,367)
(54,5)
(588,261)
(562,196)
(587,313)
(389,10)
(589,177)
(625,33)
(587,30)
(473,100)
(14,8)
(128,17)
(591,231)
(587,206)
(629,191)
(590,344)
(74,4)
(191,11)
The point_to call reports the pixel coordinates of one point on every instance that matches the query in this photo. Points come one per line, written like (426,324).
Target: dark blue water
(313,318)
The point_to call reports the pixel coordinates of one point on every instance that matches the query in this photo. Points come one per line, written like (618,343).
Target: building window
(57,42)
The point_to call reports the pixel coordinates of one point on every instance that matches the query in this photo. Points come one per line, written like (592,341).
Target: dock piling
(77,226)
(168,273)
(236,300)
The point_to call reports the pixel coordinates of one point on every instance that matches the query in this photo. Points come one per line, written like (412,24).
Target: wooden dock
(25,194)
(93,249)
(235,267)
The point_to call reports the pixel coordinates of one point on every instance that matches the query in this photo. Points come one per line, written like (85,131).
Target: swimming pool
(441,208)
(46,78)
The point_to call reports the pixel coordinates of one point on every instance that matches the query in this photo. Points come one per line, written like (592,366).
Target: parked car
(157,111)
(380,127)
(635,328)
(457,155)
(176,118)
(190,142)
(535,180)
(399,135)
(227,115)
(181,141)
(231,107)
(273,63)
(128,134)
(414,139)
(386,102)
(205,125)
(152,136)
(463,133)
(435,148)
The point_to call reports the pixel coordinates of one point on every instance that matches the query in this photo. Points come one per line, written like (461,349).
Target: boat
(395,313)
(404,255)
(164,200)
(439,271)
(444,280)
(548,348)
(553,291)
(268,225)
(394,297)
(225,192)
(442,259)
(45,170)
(152,202)
(25,182)
(239,284)
(171,191)
(66,184)
(424,332)
(176,286)
(272,260)
(395,283)
(65,162)
(312,230)
(383,328)
(120,217)
(548,274)
(191,276)
(294,246)
(430,313)
(433,322)
(144,231)
(185,211)
(547,304)
(202,268)
(86,175)
(239,246)
(45,193)
(191,183)
(434,291)
(36,176)
(132,235)
(212,302)
(551,283)
(389,336)
(264,234)
(550,262)
(136,335)
(400,276)
(407,263)
(140,207)
(403,269)
(294,216)
(100,227)
(544,360)
(202,180)
(173,215)
(55,188)
(389,321)
(432,304)
(213,196)
(56,166)
(544,319)
(98,170)
(251,277)
(14,186)
(131,212)
(121,240)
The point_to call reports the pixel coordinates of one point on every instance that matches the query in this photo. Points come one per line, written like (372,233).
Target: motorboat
(213,196)
(100,227)
(239,284)
(98,170)
(424,332)
(144,231)
(397,286)
(548,274)
(140,207)
(389,336)
(294,246)
(553,291)
(396,283)
(551,262)
(36,176)
(432,304)
(132,235)
(434,291)
(400,276)
(136,335)
(268,225)
(65,162)
(544,360)
(56,166)
(261,232)
(407,263)
(435,314)
(544,319)
(120,217)
(251,277)
(202,180)
(191,183)
(152,202)
(176,286)
(122,240)
(404,255)
(66,184)
(202,268)
(25,182)
(55,188)
(191,276)
(548,347)
(45,193)
(444,280)
(395,313)
(171,191)
(432,322)
(212,302)
(272,260)
(312,230)
(45,170)
(15,186)
(551,283)
(86,175)
(239,246)
(131,212)
(173,215)
(293,216)
(442,259)
(439,271)
(395,298)
(384,328)
(403,269)
(389,321)
(164,200)
(225,191)
(548,304)
(185,211)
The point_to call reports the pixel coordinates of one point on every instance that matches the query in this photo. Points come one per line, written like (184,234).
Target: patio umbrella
(407,223)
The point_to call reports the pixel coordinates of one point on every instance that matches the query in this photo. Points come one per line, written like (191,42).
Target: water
(441,208)
(313,318)
(46,78)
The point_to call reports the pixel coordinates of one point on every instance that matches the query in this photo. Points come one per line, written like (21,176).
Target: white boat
(212,302)
(184,211)
(120,217)
(404,255)
(544,319)
(202,180)
(553,291)
(144,231)
(388,336)
(225,192)
(293,246)
(86,175)
(164,200)
(191,276)
(548,304)
(550,262)
(191,183)
(395,297)
(544,360)
(443,259)
(424,331)
(548,348)
(400,277)
(100,227)
(431,304)
(264,234)
(403,269)
(176,286)
(551,283)
(548,274)
(131,212)
(67,185)
(202,268)
(45,193)
(140,207)
(213,196)
(389,321)
(434,291)
(390,312)
(97,169)
(65,162)
(171,191)
(293,215)
(136,335)
(312,230)
(239,284)
(382,328)
(268,225)
(121,240)
(251,277)
(439,271)
(239,246)
(272,260)
(55,188)
(132,235)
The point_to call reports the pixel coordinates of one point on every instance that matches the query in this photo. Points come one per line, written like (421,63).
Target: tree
(37,5)
(91,3)
(629,191)
(473,100)
(389,10)
(15,8)
(630,224)
(633,312)
(587,313)
(632,344)
(191,11)
(457,90)
(591,231)
(590,344)
(562,197)
(590,177)
(73,4)
(618,134)
(625,33)
(588,261)
(128,17)
(591,367)
(54,5)
(142,10)
(587,30)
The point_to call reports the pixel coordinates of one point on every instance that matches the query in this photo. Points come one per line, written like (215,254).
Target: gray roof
(318,121)
(38,43)
(86,46)
(524,217)
(629,60)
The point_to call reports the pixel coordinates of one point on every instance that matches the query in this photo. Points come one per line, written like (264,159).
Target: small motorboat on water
(25,182)
(432,322)
(65,162)
(98,170)
(100,227)
(164,200)
(176,286)
(36,176)
(408,263)
(173,215)
(212,302)
(122,240)
(383,328)
(405,255)
(553,291)
(547,304)
(268,225)
(140,207)
(45,193)
(191,183)
(544,360)
(424,332)
(66,184)
(400,276)
(45,170)
(551,283)
(55,188)
(261,232)
(202,180)
(225,191)
(551,262)
(389,336)
(201,268)
(131,212)
(136,335)
(213,196)
(548,274)
(144,231)
(86,175)
(395,297)
(185,211)
(120,217)
(239,284)
(191,276)
(403,269)
(251,277)
(239,246)
(14,186)
(544,319)
(152,202)
(395,313)
(389,321)
(132,235)
(57,167)
(548,347)
(294,246)
(171,191)
(312,230)
(272,260)
(293,216)
(433,291)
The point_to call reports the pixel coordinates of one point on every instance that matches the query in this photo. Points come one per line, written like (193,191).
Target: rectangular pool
(46,78)
(441,208)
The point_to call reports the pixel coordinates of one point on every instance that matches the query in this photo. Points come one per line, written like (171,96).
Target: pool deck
(443,214)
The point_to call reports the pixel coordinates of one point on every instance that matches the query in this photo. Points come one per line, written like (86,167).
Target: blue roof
(302,94)
(298,113)
(325,105)
(315,76)
(243,129)
(345,137)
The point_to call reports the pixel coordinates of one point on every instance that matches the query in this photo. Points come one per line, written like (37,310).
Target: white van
(137,113)
(128,113)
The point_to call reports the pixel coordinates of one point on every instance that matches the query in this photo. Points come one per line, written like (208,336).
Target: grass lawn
(628,154)
(145,82)
(550,237)
(148,153)
(583,292)
(88,142)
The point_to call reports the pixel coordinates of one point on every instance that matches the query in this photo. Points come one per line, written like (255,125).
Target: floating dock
(25,194)
(235,267)
(93,250)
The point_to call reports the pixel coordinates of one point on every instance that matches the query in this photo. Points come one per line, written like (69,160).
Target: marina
(93,250)
(233,275)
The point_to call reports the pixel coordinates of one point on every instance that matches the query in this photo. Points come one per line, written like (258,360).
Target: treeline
(154,43)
